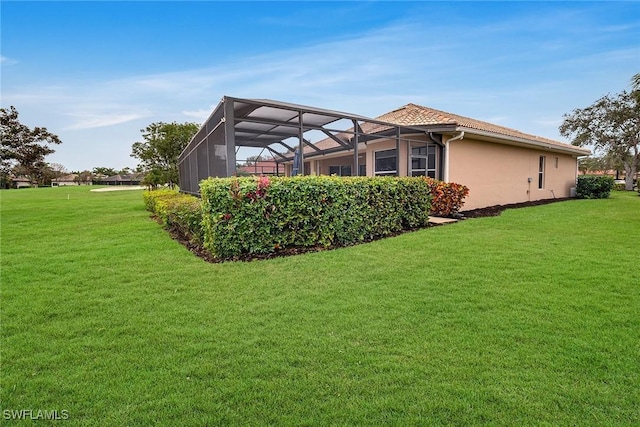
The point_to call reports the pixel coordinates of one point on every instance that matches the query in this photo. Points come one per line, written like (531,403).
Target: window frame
(345,170)
(341,170)
(541,172)
(376,157)
(431,156)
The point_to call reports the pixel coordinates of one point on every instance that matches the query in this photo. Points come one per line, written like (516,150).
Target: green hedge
(151,198)
(177,211)
(254,216)
(594,187)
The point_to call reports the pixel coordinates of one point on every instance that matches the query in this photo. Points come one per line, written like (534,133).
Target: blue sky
(95,73)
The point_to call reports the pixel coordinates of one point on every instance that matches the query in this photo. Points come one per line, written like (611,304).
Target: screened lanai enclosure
(290,133)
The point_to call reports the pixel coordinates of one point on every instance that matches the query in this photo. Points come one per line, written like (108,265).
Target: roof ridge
(397,109)
(459,120)
(456,116)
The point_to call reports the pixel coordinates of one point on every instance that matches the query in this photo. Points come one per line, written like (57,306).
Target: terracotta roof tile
(417,115)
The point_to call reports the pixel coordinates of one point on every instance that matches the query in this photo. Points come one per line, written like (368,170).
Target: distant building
(71,179)
(263,167)
(22,182)
(123,179)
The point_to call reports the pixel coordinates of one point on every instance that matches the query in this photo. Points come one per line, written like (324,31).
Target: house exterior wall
(498,174)
(495,173)
(23,184)
(366,156)
(387,145)
(324,164)
(67,183)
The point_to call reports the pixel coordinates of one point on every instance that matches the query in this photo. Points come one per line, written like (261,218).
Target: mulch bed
(201,252)
(498,209)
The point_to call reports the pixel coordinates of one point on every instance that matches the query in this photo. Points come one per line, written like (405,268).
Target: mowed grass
(530,318)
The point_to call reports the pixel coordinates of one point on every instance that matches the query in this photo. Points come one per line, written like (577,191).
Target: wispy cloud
(620,28)
(554,122)
(321,73)
(482,71)
(365,74)
(7,61)
(200,115)
(90,121)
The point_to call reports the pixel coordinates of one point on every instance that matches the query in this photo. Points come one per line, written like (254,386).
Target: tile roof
(264,166)
(65,178)
(420,116)
(417,115)
(125,177)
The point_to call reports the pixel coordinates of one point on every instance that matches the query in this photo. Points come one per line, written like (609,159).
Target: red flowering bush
(448,197)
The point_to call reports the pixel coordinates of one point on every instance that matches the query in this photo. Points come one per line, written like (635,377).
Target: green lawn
(530,318)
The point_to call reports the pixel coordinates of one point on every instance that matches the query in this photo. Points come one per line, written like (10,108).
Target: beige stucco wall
(387,145)
(495,173)
(320,165)
(498,174)
(324,163)
(366,156)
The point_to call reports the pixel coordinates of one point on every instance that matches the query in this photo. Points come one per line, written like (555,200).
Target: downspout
(446,154)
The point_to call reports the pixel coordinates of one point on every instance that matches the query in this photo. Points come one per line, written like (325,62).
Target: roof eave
(568,149)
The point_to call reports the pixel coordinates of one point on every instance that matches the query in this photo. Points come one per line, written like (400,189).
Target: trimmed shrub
(594,187)
(254,216)
(151,198)
(181,212)
(619,187)
(448,197)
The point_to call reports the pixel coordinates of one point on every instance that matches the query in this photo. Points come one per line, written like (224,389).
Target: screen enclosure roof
(265,123)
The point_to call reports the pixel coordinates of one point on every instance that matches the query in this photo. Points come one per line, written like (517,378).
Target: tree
(612,125)
(252,160)
(22,148)
(52,171)
(104,171)
(635,87)
(83,177)
(163,143)
(58,169)
(600,164)
(590,164)
(153,178)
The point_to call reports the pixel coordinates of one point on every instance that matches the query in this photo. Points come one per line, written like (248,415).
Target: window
(340,170)
(385,162)
(556,163)
(423,160)
(346,170)
(541,173)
